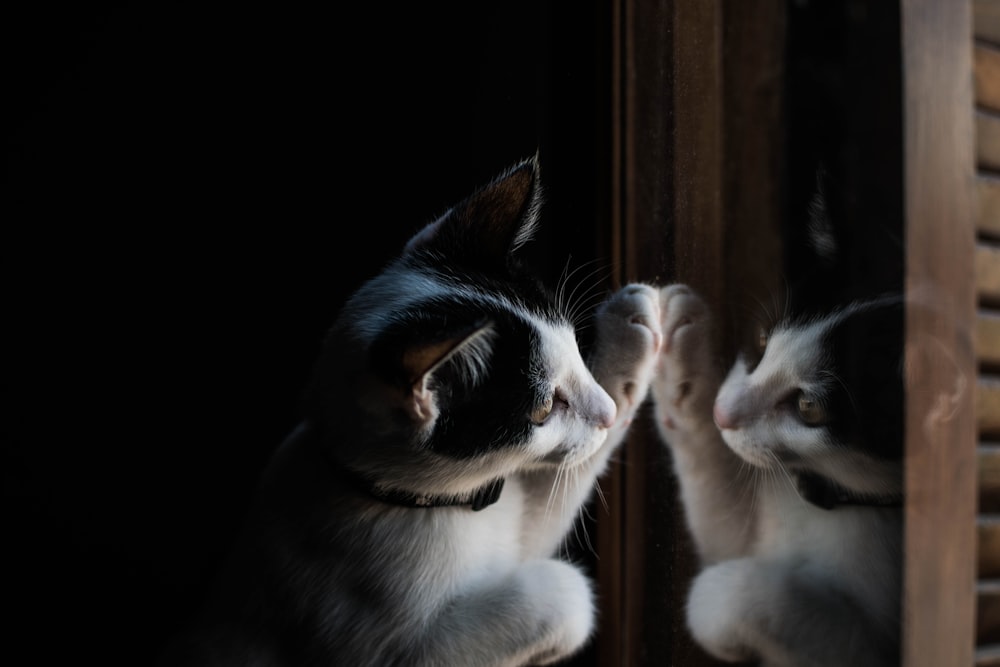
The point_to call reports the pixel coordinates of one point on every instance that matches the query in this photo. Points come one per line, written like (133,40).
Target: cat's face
(455,359)
(823,396)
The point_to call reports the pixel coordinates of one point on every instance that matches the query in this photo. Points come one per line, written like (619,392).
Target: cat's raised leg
(624,357)
(715,488)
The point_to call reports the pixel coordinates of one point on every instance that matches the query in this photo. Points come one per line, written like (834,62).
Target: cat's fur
(429,389)
(791,478)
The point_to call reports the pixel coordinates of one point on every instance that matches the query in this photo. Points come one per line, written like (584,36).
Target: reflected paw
(687,375)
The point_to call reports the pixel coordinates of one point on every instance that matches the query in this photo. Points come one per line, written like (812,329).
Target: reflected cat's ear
(466,354)
(821,235)
(491,224)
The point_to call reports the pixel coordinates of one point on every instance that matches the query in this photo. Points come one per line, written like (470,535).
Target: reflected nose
(725,419)
(608,418)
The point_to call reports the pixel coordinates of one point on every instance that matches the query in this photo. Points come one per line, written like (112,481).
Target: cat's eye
(542,412)
(810,411)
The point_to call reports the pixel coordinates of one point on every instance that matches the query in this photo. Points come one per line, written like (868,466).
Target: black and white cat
(791,479)
(454,433)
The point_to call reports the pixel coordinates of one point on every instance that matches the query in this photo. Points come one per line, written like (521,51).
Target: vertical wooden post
(671,221)
(641,588)
(939,577)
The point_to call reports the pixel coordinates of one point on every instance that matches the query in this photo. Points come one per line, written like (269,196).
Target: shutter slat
(988,531)
(988,656)
(988,337)
(988,194)
(988,271)
(986,20)
(987,76)
(988,612)
(988,405)
(988,140)
(988,457)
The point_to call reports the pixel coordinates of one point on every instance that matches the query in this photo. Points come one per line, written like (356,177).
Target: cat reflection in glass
(453,434)
(790,474)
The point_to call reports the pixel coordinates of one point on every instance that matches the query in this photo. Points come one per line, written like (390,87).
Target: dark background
(189,192)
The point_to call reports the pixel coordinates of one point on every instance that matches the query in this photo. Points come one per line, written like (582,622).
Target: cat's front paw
(718,614)
(563,607)
(628,338)
(687,375)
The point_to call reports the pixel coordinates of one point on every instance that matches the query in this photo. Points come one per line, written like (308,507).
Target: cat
(453,434)
(790,474)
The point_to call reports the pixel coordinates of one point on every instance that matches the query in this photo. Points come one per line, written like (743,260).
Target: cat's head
(824,397)
(454,366)
(822,393)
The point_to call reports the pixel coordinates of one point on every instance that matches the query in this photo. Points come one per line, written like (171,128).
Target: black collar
(827,494)
(478,499)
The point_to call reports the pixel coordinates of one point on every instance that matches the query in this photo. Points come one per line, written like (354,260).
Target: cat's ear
(465,353)
(818,249)
(820,234)
(491,224)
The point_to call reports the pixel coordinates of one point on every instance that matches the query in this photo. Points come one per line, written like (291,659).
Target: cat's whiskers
(785,475)
(567,273)
(786,309)
(839,380)
(579,317)
(587,301)
(767,311)
(566,481)
(750,486)
(557,480)
(583,515)
(764,313)
(600,495)
(575,306)
(561,298)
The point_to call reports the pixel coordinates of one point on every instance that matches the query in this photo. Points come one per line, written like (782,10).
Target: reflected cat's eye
(810,412)
(542,412)
(762,339)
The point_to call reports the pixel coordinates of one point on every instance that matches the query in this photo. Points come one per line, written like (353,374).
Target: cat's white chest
(792,527)
(854,547)
(486,544)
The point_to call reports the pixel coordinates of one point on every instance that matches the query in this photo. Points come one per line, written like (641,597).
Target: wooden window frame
(678,165)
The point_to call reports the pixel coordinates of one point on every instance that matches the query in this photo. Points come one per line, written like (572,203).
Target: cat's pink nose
(607,413)
(723,418)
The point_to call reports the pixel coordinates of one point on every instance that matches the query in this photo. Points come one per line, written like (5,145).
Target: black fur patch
(866,398)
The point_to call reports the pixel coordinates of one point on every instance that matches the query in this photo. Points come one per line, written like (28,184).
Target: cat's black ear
(818,246)
(491,224)
(465,352)
(842,244)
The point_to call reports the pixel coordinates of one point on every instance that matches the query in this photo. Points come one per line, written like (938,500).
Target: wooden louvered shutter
(986,75)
